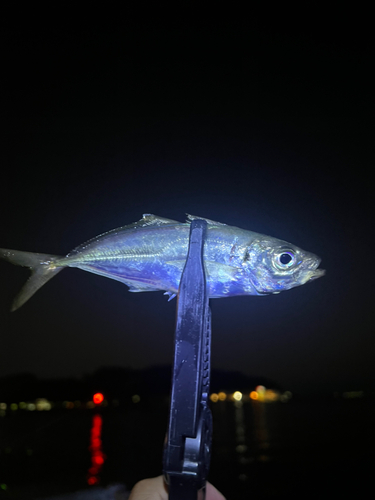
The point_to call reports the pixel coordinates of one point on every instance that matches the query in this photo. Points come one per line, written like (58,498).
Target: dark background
(261,122)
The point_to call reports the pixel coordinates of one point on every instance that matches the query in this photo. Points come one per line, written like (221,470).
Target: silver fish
(150,255)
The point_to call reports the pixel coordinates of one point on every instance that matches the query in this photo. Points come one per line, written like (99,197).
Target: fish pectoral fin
(210,222)
(214,269)
(180,264)
(221,270)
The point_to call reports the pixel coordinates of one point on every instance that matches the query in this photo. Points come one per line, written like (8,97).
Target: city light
(352,394)
(98,398)
(43,404)
(259,394)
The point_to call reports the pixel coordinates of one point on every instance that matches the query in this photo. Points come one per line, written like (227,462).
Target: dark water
(301,448)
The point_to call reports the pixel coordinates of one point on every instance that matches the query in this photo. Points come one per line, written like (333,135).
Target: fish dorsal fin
(210,222)
(154,220)
(147,220)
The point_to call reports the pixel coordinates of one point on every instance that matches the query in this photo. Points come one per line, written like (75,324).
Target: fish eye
(285,259)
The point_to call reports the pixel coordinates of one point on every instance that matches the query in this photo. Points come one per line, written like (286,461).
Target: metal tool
(188,446)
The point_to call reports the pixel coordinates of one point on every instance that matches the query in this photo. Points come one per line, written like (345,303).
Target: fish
(150,255)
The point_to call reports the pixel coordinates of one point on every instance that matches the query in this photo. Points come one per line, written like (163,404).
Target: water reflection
(252,440)
(261,434)
(95,448)
(241,446)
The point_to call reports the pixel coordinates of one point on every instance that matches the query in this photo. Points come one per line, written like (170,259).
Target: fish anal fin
(133,284)
(171,295)
(135,288)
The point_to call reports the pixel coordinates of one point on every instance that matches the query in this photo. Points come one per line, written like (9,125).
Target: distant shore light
(237,395)
(98,398)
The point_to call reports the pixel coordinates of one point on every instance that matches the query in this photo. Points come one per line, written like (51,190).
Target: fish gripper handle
(188,446)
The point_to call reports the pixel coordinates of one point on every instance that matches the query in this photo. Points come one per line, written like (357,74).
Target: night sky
(258,123)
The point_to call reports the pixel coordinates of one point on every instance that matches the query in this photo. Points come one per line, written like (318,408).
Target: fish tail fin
(42,270)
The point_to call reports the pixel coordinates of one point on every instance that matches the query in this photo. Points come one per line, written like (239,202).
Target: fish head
(273,265)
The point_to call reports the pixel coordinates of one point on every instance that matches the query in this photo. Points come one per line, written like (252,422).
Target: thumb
(212,493)
(156,489)
(150,489)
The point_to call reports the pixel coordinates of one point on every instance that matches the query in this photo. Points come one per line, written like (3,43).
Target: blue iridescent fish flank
(150,255)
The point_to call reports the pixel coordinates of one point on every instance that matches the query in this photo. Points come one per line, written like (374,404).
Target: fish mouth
(317,273)
(312,265)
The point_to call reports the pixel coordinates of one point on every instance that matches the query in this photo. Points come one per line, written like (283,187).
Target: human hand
(156,489)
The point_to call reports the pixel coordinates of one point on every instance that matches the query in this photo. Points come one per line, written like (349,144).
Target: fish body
(150,255)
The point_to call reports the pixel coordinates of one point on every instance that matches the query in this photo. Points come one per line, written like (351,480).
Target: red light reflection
(97,455)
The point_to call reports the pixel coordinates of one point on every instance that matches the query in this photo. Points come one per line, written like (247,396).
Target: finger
(150,489)
(156,489)
(212,493)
